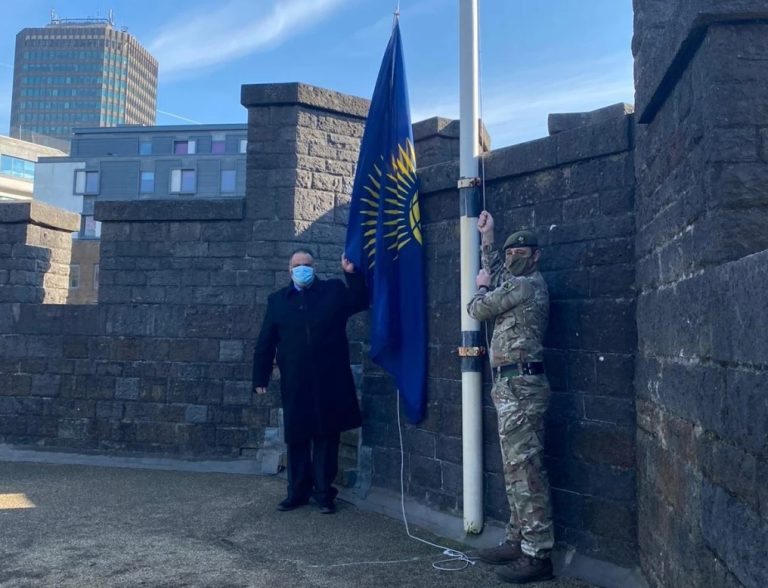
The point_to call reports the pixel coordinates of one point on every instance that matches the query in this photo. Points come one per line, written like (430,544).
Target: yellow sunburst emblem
(400,208)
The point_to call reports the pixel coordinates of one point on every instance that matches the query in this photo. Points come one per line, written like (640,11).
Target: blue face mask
(302,275)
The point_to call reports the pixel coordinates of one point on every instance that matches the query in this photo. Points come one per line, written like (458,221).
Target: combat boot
(526,569)
(504,553)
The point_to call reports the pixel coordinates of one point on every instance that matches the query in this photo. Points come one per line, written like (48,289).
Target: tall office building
(80,73)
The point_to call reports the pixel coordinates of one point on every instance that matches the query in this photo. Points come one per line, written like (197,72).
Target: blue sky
(537,56)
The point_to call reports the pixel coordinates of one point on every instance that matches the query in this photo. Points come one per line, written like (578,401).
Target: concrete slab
(83,525)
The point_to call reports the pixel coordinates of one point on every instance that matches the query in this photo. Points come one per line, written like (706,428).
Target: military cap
(521,239)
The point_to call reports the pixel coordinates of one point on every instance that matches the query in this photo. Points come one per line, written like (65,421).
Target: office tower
(80,73)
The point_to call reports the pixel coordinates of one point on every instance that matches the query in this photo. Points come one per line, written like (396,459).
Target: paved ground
(101,526)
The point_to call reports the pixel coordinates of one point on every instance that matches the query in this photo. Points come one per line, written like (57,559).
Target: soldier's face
(520,260)
(517,252)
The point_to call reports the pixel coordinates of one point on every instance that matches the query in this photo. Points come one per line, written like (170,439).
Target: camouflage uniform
(520,308)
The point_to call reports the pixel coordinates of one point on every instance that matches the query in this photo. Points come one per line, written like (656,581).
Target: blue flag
(384,237)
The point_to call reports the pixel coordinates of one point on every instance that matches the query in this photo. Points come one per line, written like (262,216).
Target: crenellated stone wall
(162,364)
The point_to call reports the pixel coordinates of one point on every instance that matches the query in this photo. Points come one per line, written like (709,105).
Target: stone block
(568,508)
(452,479)
(237,393)
(581,207)
(231,350)
(449,449)
(41,214)
(612,483)
(106,409)
(169,210)
(593,141)
(424,472)
(519,159)
(559,122)
(612,280)
(127,388)
(615,375)
(566,406)
(569,474)
(740,144)
(556,439)
(735,533)
(76,429)
(45,385)
(196,413)
(598,443)
(421,442)
(567,284)
(617,411)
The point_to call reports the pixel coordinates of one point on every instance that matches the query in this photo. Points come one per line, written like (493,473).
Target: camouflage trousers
(520,403)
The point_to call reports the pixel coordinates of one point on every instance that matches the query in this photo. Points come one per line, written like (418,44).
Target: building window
(184,147)
(147,185)
(74,276)
(145,148)
(218,144)
(14,166)
(96,276)
(86,182)
(243,145)
(227,181)
(183,181)
(91,227)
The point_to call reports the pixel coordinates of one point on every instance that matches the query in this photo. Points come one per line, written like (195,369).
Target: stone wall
(702,235)
(576,189)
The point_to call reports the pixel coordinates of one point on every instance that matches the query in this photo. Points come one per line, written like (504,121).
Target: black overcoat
(306,331)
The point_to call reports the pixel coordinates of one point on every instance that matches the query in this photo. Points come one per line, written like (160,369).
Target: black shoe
(329,508)
(291,504)
(526,569)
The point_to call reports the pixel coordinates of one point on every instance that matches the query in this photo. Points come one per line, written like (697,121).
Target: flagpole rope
(482,154)
(480,106)
(454,556)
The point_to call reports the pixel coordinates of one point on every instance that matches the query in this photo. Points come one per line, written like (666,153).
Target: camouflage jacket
(520,307)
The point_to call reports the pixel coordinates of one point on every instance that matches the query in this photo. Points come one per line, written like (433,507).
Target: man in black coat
(305,326)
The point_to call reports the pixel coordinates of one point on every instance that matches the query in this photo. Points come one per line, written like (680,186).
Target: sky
(536,56)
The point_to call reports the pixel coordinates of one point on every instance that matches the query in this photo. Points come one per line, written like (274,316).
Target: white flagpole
(469,194)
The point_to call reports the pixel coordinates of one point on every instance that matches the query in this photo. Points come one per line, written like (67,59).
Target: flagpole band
(471,351)
(468,183)
(470,201)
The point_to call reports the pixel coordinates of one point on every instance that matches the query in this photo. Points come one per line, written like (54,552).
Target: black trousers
(312,467)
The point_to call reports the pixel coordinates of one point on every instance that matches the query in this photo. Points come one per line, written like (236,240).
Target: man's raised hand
(485,223)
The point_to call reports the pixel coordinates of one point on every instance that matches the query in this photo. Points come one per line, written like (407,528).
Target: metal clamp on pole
(471,351)
(468,183)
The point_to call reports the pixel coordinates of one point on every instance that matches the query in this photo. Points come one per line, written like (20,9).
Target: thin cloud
(516,110)
(236,29)
(178,116)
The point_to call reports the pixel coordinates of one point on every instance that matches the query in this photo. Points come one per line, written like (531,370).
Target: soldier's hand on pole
(260,390)
(483,279)
(485,222)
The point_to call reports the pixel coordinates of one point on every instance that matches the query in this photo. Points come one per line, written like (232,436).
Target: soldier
(513,293)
